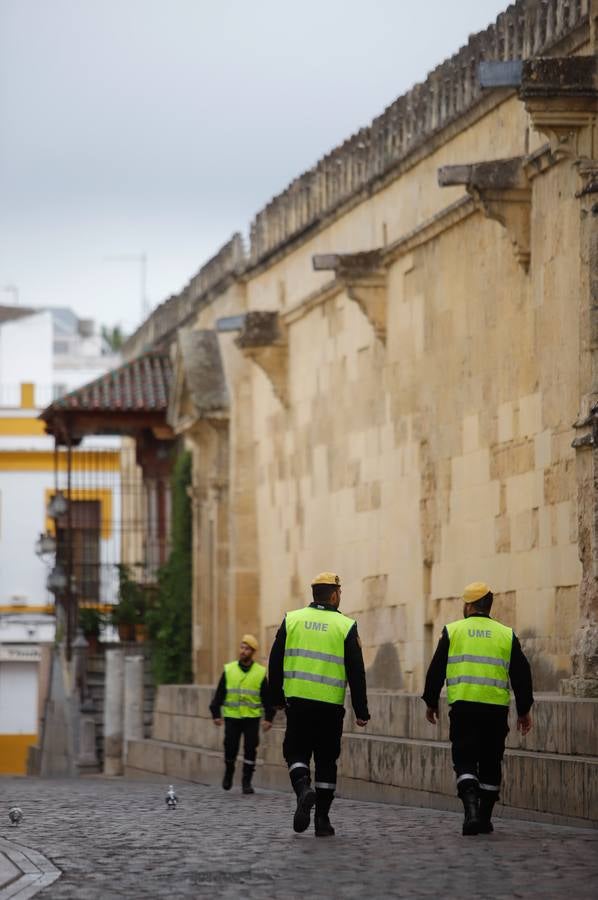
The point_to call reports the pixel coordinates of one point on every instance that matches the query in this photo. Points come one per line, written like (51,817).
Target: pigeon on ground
(171,798)
(15,814)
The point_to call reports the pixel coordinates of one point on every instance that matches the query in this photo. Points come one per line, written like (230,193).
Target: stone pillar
(133,696)
(561,96)
(584,652)
(211,566)
(113,713)
(584,681)
(79,664)
(87,760)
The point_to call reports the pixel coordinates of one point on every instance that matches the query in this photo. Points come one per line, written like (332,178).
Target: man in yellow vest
(316,652)
(241,696)
(479,657)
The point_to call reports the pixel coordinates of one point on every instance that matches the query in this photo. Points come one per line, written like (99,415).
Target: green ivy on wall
(169,620)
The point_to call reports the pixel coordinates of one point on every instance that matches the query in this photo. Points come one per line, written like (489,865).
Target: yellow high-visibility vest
(478,661)
(314,657)
(242,700)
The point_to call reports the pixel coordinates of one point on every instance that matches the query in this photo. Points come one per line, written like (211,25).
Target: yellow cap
(475,591)
(250,641)
(326,578)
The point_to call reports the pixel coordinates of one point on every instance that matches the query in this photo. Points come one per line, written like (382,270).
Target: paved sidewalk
(23,872)
(8,871)
(115,838)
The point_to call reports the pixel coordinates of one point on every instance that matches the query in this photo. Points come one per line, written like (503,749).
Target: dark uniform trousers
(233,729)
(314,728)
(477,734)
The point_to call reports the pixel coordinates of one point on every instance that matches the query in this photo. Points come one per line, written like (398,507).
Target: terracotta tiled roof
(140,385)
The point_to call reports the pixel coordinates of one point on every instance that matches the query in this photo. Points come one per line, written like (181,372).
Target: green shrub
(126,610)
(169,619)
(91,621)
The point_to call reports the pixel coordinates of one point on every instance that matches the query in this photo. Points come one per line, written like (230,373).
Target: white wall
(26,351)
(27,355)
(23,517)
(18,697)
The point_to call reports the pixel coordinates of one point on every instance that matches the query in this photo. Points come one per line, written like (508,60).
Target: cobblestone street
(115,838)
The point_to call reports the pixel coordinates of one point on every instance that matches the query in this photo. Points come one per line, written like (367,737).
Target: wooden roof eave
(73,425)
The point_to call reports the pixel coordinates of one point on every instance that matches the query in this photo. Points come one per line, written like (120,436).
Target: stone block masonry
(550,775)
(409,402)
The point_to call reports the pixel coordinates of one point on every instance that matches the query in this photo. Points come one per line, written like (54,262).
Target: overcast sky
(163,126)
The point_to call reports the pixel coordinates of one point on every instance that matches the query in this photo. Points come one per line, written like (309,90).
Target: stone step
(560,724)
(96,673)
(551,787)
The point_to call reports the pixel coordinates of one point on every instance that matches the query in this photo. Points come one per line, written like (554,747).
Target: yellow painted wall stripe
(27,395)
(43,461)
(22,427)
(18,608)
(48,609)
(13,753)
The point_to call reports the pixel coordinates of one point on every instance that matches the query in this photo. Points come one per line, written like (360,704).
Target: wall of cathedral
(411,425)
(442,455)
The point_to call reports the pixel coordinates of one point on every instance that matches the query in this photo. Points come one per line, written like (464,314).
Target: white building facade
(44,354)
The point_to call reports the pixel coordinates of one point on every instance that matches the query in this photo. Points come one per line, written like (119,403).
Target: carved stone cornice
(561,97)
(501,190)
(363,277)
(588,172)
(539,162)
(263,340)
(199,392)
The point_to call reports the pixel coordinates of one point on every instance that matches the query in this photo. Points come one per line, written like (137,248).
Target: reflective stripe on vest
(478,661)
(242,699)
(314,658)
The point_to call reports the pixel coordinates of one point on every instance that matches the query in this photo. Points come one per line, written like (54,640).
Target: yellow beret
(326,578)
(250,641)
(475,591)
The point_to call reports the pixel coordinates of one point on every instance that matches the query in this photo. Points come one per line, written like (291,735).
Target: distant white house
(43,355)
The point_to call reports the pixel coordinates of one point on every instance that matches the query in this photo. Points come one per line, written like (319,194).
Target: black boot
(487,801)
(306,797)
(324,798)
(227,781)
(323,826)
(468,791)
(248,771)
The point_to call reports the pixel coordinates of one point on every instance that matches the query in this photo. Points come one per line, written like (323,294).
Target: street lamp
(57,581)
(45,545)
(58,505)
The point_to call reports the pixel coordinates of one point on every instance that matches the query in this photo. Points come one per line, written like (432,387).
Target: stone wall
(441,453)
(526,28)
(551,774)
(367,158)
(407,379)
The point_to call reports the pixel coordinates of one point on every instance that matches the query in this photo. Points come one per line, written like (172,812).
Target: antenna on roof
(12,289)
(140,258)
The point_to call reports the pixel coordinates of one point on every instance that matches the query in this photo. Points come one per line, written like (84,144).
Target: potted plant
(124,613)
(91,621)
(140,610)
(146,601)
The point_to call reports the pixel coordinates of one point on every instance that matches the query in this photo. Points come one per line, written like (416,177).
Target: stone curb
(23,872)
